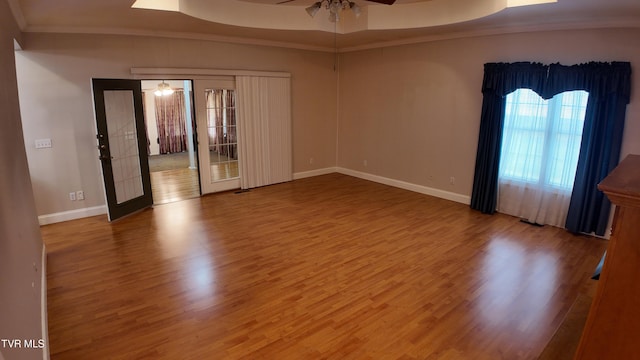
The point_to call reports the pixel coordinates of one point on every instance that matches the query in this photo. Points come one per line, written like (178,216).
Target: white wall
(413,112)
(67,63)
(151,122)
(20,241)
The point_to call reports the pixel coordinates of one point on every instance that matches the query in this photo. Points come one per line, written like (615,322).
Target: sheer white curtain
(264,130)
(540,147)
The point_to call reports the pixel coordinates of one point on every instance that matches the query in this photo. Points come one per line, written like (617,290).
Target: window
(541,138)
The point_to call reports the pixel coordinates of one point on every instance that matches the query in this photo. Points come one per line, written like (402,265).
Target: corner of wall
(442,194)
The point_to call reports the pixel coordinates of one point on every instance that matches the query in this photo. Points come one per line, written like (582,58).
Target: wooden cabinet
(612,330)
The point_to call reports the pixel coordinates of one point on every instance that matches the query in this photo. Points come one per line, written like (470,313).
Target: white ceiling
(117,17)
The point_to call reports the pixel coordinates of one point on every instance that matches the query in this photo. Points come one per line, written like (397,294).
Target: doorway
(172,145)
(172,161)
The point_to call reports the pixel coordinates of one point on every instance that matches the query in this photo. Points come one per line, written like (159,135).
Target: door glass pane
(123,144)
(221,128)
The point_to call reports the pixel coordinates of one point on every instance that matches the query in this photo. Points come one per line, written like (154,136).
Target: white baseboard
(44,313)
(99,210)
(317,172)
(464,199)
(72,215)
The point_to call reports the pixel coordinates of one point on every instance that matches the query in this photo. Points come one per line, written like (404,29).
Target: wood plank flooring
(174,185)
(224,170)
(329,267)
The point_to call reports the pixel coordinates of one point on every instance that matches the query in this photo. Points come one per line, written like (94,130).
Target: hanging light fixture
(334,7)
(163,89)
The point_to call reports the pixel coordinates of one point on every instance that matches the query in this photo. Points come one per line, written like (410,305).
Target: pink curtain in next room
(214,119)
(171,122)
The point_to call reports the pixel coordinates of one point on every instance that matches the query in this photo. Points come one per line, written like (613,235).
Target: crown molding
(503,30)
(164,72)
(174,35)
(506,30)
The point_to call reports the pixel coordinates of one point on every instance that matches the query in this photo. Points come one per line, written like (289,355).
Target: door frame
(192,131)
(200,74)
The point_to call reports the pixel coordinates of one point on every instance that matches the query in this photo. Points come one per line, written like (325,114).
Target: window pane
(222,133)
(541,138)
(123,139)
(566,138)
(523,136)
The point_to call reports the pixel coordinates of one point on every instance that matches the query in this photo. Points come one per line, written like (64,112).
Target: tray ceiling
(263,22)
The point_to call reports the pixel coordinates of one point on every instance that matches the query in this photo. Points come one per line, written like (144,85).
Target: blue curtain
(500,79)
(609,87)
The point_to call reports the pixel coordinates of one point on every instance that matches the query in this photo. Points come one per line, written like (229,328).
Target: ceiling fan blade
(286,1)
(386,2)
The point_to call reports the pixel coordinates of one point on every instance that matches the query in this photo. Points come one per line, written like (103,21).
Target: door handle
(105,157)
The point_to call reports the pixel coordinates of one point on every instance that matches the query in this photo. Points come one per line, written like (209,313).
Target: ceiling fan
(336,6)
(385,2)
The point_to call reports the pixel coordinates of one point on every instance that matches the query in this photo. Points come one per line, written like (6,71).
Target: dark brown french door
(122,141)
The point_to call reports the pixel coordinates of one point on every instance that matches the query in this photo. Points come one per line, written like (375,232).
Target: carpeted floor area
(168,161)
(179,161)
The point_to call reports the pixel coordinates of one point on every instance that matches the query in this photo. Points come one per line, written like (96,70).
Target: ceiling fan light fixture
(335,6)
(163,89)
(355,8)
(313,9)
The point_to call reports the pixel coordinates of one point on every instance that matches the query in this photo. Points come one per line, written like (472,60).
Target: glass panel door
(122,144)
(218,145)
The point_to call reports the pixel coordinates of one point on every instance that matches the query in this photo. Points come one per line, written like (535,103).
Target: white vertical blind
(264,130)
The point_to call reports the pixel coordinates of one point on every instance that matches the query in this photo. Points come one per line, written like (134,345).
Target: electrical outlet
(80,195)
(365,163)
(310,161)
(43,143)
(452,180)
(72,196)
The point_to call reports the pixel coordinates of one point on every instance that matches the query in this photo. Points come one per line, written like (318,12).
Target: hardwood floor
(224,170)
(174,185)
(330,267)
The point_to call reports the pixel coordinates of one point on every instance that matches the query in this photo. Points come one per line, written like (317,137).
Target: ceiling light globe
(313,9)
(335,6)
